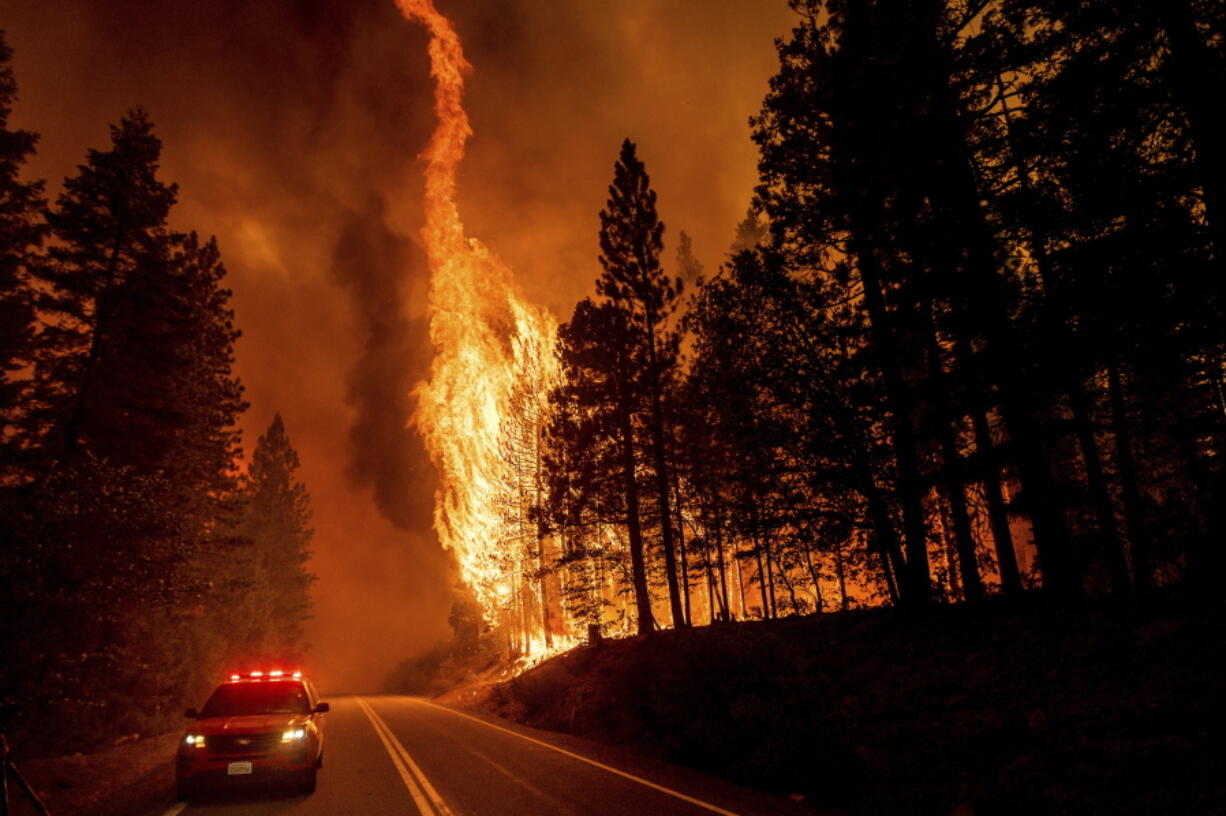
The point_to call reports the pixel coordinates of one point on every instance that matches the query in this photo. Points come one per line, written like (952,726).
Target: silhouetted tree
(131,422)
(634,284)
(111,308)
(22,231)
(276,521)
(689,268)
(593,463)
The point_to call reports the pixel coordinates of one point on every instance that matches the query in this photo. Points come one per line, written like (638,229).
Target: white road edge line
(440,807)
(176,809)
(601,765)
(419,798)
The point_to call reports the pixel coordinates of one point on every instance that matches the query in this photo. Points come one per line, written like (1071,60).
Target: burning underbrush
(477,656)
(460,676)
(999,709)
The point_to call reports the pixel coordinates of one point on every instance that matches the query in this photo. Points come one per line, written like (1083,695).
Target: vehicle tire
(307,783)
(185,790)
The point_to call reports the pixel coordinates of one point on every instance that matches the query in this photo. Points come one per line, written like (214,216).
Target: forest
(967,342)
(139,559)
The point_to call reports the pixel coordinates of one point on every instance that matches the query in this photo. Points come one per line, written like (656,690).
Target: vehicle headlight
(194,741)
(293,735)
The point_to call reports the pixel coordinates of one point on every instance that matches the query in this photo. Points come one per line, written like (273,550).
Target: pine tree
(750,232)
(631,239)
(276,520)
(689,268)
(134,363)
(22,231)
(111,309)
(132,417)
(207,395)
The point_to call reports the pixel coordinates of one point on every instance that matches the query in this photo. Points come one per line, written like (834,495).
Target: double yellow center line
(431,804)
(424,795)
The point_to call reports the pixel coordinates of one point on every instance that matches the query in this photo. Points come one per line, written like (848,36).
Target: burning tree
(481,412)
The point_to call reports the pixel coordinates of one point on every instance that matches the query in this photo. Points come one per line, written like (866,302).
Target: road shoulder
(134,777)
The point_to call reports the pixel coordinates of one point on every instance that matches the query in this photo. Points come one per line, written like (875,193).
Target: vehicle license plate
(236,768)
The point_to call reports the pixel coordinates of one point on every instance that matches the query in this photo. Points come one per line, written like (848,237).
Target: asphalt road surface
(404,755)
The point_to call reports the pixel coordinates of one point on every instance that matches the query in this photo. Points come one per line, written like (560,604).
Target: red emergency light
(274,674)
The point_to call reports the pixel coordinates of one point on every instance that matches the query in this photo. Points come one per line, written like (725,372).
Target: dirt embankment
(1002,709)
(127,778)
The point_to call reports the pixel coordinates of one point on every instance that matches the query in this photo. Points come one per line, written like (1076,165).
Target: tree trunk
(1134,517)
(955,481)
(784,579)
(685,571)
(916,589)
(998,513)
(740,585)
(948,550)
(709,569)
(1112,547)
(765,547)
(890,585)
(841,575)
(981,285)
(1067,371)
(661,465)
(542,564)
(544,592)
(818,601)
(766,606)
(646,622)
(723,569)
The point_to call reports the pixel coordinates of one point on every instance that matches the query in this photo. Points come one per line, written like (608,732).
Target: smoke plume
(374,265)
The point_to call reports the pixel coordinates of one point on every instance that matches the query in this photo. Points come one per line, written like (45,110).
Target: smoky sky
(293,129)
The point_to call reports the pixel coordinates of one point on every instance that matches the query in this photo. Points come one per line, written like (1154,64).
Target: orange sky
(293,128)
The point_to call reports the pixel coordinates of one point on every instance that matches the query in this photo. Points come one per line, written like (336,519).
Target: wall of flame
(487,340)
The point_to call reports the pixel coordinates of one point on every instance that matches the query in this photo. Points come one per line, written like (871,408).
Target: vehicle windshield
(240,699)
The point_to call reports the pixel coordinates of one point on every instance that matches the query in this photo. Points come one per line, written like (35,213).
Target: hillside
(1005,709)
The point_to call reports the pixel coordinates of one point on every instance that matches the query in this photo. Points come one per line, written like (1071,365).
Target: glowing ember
(490,346)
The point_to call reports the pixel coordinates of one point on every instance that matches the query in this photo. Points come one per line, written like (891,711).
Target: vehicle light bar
(274,674)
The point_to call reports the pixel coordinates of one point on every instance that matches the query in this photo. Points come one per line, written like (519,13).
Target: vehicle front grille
(242,743)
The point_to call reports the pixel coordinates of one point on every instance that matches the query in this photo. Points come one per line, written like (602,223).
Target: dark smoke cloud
(385,454)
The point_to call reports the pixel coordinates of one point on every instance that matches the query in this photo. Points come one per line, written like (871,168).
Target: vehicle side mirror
(322,708)
(192,714)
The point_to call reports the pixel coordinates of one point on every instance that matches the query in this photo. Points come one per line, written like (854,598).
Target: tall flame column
(483,334)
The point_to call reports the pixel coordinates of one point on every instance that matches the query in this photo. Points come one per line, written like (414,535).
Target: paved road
(404,755)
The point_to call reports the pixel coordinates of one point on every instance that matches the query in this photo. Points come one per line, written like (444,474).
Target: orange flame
(488,343)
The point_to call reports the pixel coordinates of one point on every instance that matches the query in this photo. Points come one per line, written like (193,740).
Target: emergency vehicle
(259,726)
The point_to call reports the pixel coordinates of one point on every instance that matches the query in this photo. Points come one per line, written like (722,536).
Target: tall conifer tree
(631,239)
(277,520)
(22,230)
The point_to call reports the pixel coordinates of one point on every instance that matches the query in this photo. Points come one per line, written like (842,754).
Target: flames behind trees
(481,410)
